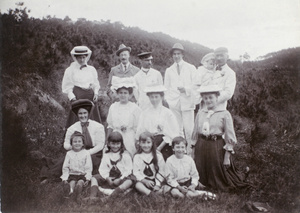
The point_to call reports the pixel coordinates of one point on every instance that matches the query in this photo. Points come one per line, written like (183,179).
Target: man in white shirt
(180,93)
(224,77)
(147,76)
(124,69)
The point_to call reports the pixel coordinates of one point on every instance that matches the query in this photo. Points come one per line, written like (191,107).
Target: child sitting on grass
(115,171)
(182,173)
(77,167)
(148,166)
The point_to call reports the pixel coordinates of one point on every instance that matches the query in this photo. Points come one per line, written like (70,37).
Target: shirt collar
(127,65)
(180,62)
(145,70)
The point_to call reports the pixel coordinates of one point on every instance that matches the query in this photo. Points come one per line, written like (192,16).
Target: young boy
(183,175)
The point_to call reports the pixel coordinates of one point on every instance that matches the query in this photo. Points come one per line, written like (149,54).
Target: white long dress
(124,119)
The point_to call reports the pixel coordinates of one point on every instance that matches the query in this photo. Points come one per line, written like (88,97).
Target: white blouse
(85,78)
(124,165)
(77,163)
(139,166)
(181,170)
(159,120)
(96,131)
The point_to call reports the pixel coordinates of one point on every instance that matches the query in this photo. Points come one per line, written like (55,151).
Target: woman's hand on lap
(192,187)
(117,181)
(110,181)
(86,183)
(95,99)
(148,183)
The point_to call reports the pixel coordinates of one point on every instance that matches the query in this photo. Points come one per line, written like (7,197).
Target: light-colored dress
(124,119)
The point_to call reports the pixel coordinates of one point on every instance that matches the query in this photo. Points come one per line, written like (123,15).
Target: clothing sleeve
(104,167)
(88,166)
(99,139)
(195,131)
(189,85)
(230,138)
(136,116)
(110,78)
(96,83)
(159,79)
(160,175)
(128,165)
(137,93)
(67,142)
(194,173)
(228,90)
(65,168)
(140,127)
(167,81)
(67,84)
(138,168)
(171,174)
(109,117)
(171,128)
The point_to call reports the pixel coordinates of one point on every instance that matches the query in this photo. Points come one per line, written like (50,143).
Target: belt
(211,137)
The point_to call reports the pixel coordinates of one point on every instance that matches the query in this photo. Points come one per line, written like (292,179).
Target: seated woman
(123,116)
(159,121)
(94,136)
(80,81)
(215,137)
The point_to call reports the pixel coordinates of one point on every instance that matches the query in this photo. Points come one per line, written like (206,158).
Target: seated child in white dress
(77,167)
(182,173)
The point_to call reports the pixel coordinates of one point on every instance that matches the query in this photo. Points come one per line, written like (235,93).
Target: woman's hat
(122,48)
(177,46)
(209,89)
(155,88)
(81,50)
(82,103)
(207,57)
(117,82)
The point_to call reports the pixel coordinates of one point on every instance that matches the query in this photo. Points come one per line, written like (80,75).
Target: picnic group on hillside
(170,135)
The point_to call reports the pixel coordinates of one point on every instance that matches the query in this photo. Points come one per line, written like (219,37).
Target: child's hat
(209,89)
(207,57)
(155,88)
(82,103)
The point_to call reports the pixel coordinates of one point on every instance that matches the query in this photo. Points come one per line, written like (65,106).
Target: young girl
(115,171)
(182,173)
(148,166)
(213,153)
(77,167)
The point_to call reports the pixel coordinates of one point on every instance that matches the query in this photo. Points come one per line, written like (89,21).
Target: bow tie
(82,66)
(219,68)
(85,124)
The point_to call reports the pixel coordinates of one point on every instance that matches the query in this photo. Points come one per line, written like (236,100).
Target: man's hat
(82,103)
(122,48)
(177,46)
(145,55)
(221,50)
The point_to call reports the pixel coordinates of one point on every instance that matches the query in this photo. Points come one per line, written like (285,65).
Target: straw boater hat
(122,48)
(207,57)
(82,103)
(221,50)
(145,55)
(177,46)
(155,88)
(81,50)
(209,89)
(117,82)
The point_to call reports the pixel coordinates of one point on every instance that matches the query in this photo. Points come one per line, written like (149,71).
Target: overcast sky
(254,26)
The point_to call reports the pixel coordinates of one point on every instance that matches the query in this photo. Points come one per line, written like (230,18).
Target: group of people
(153,142)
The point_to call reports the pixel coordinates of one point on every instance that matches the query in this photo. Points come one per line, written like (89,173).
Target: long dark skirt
(52,170)
(167,150)
(83,94)
(209,157)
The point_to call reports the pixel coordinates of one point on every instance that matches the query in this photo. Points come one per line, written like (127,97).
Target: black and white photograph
(159,106)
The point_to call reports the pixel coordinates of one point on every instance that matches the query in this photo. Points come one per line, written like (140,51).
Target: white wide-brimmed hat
(155,88)
(117,82)
(207,57)
(81,50)
(209,89)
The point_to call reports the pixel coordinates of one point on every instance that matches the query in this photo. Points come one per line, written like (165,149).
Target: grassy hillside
(265,109)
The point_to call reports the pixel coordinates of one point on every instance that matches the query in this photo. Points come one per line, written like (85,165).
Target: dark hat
(122,48)
(221,50)
(145,55)
(177,46)
(82,103)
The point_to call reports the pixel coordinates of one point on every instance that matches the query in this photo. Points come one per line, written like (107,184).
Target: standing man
(224,77)
(123,70)
(179,94)
(147,76)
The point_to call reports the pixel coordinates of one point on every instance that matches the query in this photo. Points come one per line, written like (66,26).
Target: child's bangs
(115,137)
(145,135)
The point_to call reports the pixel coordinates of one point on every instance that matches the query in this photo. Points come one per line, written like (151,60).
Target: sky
(257,27)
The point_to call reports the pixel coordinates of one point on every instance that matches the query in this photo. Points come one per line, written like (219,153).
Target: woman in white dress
(123,116)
